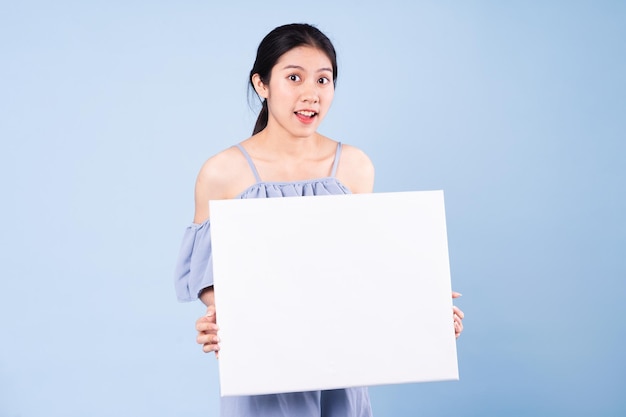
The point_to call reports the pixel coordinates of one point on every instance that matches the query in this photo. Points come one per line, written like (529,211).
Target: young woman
(294,75)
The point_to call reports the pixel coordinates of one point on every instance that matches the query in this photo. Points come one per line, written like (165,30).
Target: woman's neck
(283,145)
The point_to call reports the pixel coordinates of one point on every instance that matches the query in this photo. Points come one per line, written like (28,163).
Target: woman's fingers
(207,331)
(210,347)
(458,328)
(457,315)
(203,324)
(209,341)
(208,321)
(207,338)
(458,312)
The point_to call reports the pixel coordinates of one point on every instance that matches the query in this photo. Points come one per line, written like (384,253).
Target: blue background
(517,110)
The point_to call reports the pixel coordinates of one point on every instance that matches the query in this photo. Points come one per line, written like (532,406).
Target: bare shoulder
(222,176)
(219,171)
(356,170)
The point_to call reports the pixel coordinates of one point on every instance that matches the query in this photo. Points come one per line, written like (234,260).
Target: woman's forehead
(306,57)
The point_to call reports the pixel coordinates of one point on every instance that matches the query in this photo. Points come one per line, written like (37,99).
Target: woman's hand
(457,315)
(207,332)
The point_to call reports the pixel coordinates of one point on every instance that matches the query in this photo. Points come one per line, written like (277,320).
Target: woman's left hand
(457,315)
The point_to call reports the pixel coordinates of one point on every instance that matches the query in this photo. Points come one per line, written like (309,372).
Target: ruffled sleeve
(194,268)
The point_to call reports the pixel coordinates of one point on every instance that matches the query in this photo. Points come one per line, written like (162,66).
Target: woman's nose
(310,94)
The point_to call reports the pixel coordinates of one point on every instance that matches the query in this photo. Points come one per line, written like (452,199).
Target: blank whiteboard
(332,292)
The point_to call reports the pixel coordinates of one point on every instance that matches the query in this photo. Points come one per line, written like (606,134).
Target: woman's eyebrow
(302,69)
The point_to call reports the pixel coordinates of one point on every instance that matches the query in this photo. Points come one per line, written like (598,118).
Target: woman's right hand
(207,332)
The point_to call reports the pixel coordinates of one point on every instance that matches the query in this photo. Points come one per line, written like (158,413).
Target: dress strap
(252,167)
(336,162)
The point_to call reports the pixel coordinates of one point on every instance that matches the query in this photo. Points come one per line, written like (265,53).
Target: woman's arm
(210,185)
(221,177)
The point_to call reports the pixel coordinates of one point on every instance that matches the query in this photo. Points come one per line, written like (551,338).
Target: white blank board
(332,291)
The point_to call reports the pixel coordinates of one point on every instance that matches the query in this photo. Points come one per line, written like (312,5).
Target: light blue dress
(194,272)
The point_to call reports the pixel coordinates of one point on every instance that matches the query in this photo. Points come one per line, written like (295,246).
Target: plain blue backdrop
(515,109)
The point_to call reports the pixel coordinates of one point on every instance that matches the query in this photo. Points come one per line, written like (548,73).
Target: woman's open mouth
(306,116)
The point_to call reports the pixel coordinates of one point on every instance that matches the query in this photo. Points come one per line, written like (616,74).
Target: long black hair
(280,41)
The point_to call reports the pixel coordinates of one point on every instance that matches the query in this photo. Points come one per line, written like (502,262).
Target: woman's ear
(259,86)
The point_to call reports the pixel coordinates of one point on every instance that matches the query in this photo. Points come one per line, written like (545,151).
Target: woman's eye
(294,77)
(323,80)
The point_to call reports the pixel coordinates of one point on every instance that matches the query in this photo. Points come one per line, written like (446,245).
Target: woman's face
(300,91)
